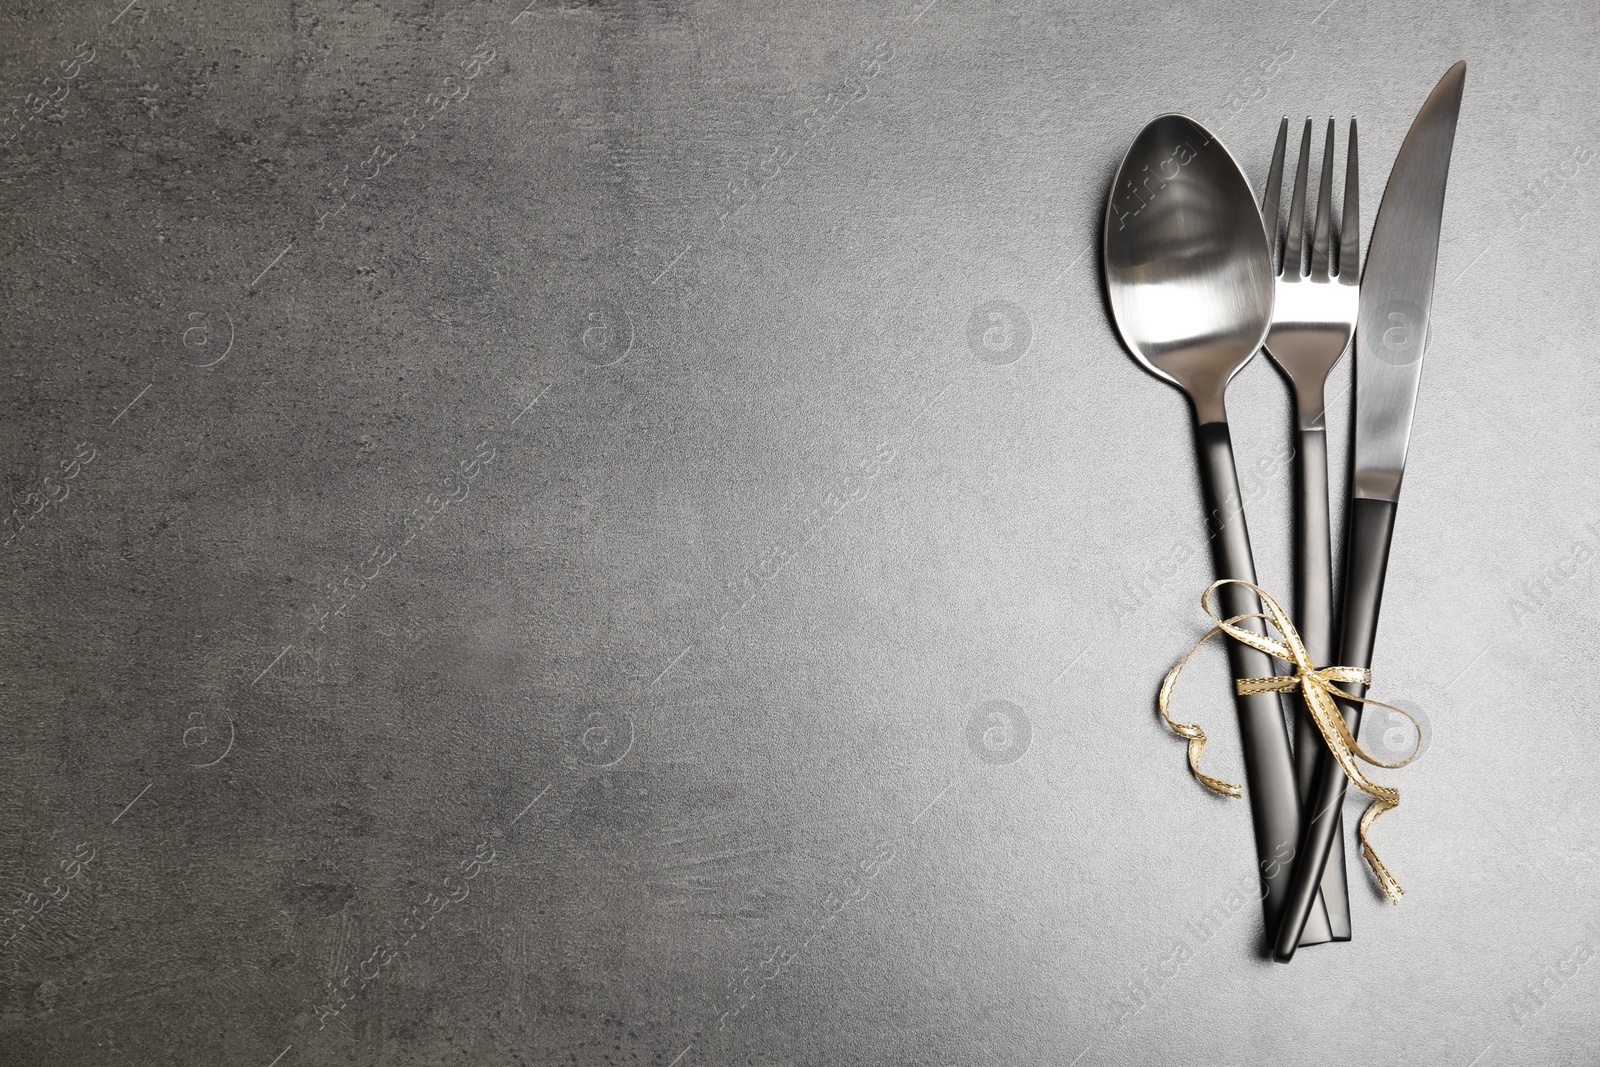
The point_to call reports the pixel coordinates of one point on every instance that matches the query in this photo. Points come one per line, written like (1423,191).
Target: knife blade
(1391,335)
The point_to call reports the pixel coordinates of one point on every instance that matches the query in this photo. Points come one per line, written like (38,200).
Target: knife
(1391,333)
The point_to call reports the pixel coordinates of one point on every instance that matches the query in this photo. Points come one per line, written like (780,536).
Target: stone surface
(620,533)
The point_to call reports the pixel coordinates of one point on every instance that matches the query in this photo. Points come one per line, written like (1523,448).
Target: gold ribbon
(1317,687)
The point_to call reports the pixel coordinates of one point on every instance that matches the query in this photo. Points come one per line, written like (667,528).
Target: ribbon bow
(1318,689)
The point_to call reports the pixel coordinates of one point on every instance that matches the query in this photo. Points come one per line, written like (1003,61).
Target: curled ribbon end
(1197,745)
(1391,888)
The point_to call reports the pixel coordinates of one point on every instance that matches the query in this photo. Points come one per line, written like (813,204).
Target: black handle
(1313,587)
(1268,765)
(1367,558)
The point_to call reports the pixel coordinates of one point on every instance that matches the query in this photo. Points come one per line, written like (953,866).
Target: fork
(1313,319)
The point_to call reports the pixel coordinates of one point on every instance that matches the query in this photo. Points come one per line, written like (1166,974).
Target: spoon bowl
(1187,265)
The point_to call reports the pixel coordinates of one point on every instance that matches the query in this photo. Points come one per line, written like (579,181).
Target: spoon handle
(1313,585)
(1268,765)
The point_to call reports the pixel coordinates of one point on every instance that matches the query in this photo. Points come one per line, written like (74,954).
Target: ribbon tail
(1197,745)
(1330,722)
(1391,885)
(1195,735)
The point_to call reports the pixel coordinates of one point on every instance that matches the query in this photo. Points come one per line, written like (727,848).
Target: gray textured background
(534,542)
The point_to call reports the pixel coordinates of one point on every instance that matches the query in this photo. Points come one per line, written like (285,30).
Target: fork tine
(1272,200)
(1319,238)
(1350,233)
(1294,244)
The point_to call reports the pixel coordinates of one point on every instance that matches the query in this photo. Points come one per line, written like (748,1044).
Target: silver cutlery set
(1198,279)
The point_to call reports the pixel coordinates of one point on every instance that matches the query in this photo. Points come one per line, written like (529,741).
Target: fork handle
(1268,764)
(1367,552)
(1313,586)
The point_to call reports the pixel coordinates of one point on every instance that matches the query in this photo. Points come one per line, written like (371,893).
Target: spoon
(1190,279)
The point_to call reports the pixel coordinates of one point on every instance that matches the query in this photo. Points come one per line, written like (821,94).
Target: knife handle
(1268,765)
(1367,554)
(1313,586)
